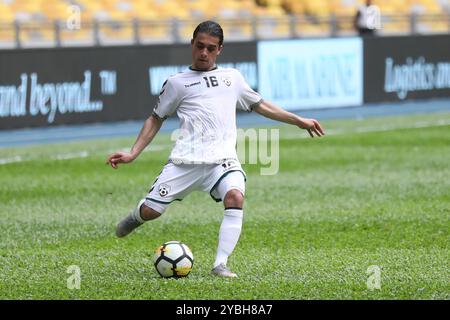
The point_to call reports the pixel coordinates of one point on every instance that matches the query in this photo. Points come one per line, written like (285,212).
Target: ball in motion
(173,259)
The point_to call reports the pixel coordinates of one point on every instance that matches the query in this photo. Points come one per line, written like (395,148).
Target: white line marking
(66,156)
(11,160)
(417,125)
(77,155)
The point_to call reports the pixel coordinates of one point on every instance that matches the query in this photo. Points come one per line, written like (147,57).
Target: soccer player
(205,98)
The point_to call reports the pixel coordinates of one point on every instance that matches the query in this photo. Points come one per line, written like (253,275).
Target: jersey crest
(227,80)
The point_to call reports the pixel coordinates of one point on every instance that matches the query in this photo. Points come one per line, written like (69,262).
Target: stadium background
(84,48)
(98,77)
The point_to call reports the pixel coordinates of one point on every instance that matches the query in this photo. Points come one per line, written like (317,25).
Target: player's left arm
(271,111)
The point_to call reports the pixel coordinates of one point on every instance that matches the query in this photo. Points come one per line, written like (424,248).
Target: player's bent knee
(234,198)
(148,213)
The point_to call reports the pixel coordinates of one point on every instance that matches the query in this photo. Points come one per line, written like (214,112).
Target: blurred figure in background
(366,19)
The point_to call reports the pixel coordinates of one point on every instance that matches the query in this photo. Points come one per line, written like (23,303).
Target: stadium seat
(7,15)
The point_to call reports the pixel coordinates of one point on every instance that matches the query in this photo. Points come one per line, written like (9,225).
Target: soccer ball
(173,259)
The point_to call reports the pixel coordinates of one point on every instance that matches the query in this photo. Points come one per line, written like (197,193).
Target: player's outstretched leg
(135,219)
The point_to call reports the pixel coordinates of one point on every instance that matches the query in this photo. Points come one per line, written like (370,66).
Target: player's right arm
(168,101)
(149,130)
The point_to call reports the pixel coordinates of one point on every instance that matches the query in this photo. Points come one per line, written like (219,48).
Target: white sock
(229,233)
(137,212)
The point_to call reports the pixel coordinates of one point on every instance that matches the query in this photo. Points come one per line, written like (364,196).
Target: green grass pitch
(373,192)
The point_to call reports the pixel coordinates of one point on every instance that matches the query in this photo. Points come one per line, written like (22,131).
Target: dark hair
(210,27)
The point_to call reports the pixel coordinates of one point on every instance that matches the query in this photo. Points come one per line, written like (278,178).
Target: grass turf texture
(361,196)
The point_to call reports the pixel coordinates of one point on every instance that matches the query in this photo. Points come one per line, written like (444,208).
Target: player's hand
(312,126)
(119,157)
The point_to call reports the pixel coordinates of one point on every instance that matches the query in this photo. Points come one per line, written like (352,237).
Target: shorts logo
(227,81)
(228,165)
(163,190)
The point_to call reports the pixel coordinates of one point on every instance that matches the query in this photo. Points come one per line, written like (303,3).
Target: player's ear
(192,42)
(220,49)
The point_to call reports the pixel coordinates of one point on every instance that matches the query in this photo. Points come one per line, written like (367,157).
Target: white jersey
(365,16)
(206,103)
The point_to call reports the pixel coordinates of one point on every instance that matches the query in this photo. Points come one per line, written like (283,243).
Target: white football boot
(127,225)
(222,271)
(130,222)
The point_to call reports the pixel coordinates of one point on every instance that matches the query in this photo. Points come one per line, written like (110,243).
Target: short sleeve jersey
(205,103)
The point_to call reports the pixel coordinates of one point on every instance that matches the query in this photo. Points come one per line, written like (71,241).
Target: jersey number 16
(212,80)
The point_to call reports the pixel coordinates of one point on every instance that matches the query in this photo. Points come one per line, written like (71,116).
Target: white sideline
(416,125)
(84,154)
(75,155)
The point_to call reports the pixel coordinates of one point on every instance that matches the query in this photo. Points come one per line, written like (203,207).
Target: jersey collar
(191,68)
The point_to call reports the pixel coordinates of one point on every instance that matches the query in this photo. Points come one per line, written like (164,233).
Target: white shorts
(176,181)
